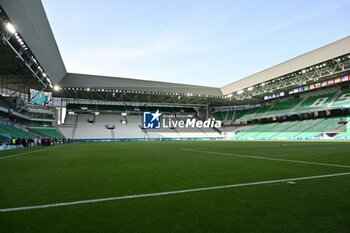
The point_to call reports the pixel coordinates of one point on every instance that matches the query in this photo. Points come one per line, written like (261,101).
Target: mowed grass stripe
(89,171)
(27,152)
(95,170)
(267,158)
(169,193)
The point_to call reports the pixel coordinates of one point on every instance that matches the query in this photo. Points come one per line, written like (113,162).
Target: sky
(201,42)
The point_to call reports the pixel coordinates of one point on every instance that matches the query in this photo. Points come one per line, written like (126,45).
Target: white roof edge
(324,53)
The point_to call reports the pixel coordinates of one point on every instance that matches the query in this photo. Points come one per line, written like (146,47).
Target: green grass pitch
(88,171)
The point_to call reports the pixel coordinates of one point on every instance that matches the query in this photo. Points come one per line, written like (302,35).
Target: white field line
(169,192)
(24,153)
(268,158)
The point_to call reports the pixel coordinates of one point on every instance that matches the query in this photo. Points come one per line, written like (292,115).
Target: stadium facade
(307,97)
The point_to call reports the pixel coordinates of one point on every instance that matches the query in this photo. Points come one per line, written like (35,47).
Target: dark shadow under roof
(95,81)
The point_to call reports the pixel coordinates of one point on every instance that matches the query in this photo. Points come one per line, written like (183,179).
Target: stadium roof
(29,19)
(332,50)
(103,82)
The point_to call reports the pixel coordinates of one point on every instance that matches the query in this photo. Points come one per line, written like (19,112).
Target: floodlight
(56,88)
(10,28)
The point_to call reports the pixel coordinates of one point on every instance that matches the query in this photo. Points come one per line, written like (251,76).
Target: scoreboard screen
(40,97)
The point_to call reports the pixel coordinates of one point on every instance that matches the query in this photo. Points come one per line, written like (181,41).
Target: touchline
(191,123)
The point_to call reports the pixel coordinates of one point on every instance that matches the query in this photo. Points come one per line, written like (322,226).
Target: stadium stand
(281,127)
(311,103)
(254,131)
(315,102)
(46,131)
(345,134)
(305,129)
(11,131)
(128,108)
(221,116)
(85,126)
(282,108)
(324,126)
(248,114)
(342,101)
(296,129)
(89,126)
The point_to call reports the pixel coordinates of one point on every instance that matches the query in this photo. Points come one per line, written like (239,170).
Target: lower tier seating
(13,132)
(88,126)
(46,131)
(305,129)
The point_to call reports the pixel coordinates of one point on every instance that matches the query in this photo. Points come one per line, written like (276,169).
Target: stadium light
(240,92)
(250,88)
(56,88)
(10,28)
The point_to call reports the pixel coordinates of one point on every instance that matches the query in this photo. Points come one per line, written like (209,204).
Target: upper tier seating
(315,102)
(311,103)
(343,100)
(283,107)
(127,108)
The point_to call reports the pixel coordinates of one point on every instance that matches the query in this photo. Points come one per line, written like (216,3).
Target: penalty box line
(137,196)
(267,158)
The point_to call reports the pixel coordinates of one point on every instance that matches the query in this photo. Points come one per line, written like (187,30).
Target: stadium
(90,153)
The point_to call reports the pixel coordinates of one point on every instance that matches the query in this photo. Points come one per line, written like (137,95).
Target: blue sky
(211,43)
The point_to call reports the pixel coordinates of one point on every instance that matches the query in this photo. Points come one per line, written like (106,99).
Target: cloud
(136,61)
(165,44)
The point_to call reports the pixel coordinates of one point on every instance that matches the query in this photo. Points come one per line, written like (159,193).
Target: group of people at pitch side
(39,141)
